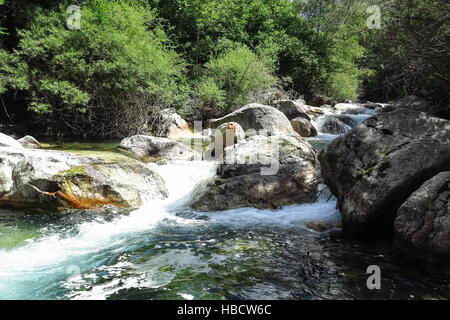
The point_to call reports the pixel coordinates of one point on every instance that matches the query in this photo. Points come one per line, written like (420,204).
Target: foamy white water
(60,255)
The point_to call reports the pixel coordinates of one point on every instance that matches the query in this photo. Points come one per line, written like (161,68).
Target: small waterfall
(54,256)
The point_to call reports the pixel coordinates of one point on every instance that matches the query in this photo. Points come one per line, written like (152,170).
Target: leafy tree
(342,25)
(411,52)
(232,79)
(103,79)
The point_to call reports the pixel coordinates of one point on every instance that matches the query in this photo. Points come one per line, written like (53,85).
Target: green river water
(165,250)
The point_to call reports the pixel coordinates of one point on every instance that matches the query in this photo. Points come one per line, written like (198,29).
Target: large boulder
(261,172)
(303,127)
(29,142)
(422,225)
(171,125)
(153,149)
(411,103)
(416,103)
(55,181)
(291,109)
(7,141)
(375,167)
(318,100)
(257,117)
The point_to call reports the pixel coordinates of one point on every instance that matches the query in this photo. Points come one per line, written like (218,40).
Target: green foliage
(274,29)
(210,96)
(342,28)
(342,81)
(231,79)
(119,57)
(12,72)
(411,52)
(208,57)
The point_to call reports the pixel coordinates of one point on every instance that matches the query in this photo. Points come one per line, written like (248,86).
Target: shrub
(103,79)
(233,78)
(209,99)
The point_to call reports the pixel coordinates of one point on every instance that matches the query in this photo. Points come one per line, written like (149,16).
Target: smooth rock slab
(7,141)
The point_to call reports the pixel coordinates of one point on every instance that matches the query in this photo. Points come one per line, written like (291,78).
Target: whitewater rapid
(58,258)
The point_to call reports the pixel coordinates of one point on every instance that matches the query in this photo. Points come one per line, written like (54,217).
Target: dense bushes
(231,80)
(411,53)
(275,27)
(102,79)
(208,57)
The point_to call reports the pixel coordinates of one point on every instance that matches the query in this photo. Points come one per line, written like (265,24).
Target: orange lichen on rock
(84,203)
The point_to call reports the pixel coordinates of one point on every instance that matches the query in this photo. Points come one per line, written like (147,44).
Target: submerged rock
(374,168)
(322,226)
(153,149)
(29,142)
(303,127)
(262,172)
(55,181)
(257,116)
(422,225)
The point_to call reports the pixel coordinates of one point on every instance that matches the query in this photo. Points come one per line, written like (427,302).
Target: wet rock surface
(56,180)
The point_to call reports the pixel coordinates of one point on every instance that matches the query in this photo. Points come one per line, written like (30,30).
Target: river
(165,250)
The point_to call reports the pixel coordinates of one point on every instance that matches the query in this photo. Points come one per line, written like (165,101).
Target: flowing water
(165,250)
